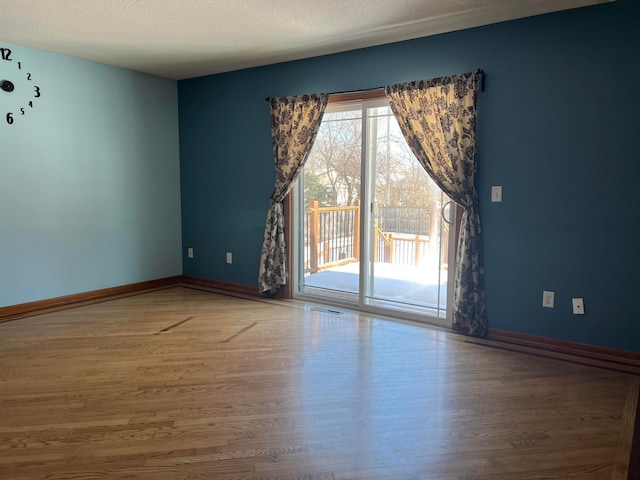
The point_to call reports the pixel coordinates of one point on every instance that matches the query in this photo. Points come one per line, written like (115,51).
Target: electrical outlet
(190,252)
(229,257)
(548,299)
(578,306)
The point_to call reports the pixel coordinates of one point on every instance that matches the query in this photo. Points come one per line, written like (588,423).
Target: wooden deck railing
(399,249)
(332,238)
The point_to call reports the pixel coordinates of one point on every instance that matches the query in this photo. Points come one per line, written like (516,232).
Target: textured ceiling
(190,38)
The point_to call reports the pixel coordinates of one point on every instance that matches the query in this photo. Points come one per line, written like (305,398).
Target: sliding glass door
(372,229)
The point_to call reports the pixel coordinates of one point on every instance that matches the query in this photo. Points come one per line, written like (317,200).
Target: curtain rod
(480,71)
(345,92)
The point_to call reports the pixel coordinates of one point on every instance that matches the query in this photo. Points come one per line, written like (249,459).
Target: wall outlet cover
(548,299)
(578,306)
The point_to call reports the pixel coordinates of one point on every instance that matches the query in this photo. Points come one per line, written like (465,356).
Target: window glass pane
(398,257)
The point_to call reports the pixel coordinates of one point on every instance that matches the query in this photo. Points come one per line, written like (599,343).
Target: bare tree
(336,156)
(335,161)
(400,181)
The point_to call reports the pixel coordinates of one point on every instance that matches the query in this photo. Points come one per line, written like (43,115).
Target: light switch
(496,193)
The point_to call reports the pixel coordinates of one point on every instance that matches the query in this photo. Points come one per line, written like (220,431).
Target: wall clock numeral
(18,91)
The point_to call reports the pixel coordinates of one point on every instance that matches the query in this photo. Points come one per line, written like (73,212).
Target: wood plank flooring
(184,384)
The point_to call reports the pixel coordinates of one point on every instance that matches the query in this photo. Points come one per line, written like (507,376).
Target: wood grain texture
(223,287)
(633,455)
(620,359)
(625,465)
(12,312)
(185,384)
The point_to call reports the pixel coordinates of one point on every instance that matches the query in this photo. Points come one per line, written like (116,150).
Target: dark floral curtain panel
(294,125)
(438,120)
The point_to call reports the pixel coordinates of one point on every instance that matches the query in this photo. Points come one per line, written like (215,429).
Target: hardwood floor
(184,384)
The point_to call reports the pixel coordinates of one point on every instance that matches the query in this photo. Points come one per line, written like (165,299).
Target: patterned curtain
(294,125)
(438,120)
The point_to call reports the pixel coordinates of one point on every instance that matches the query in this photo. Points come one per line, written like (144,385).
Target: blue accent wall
(89,180)
(557,129)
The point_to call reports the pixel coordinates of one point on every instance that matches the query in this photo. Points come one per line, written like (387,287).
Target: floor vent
(327,310)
